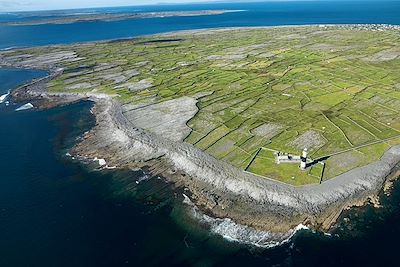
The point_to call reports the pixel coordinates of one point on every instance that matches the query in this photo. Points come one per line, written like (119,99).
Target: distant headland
(114,17)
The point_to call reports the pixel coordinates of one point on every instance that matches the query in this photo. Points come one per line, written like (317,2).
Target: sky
(28,5)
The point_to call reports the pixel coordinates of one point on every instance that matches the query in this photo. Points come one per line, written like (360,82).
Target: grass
(332,99)
(265,165)
(280,76)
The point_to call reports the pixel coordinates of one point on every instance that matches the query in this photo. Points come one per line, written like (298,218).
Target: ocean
(55,211)
(255,14)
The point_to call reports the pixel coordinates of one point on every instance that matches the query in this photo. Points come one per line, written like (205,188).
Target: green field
(333,90)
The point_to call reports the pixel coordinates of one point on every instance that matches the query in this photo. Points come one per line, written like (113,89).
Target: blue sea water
(53,212)
(56,212)
(256,14)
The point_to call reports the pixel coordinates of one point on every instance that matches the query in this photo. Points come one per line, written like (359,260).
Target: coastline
(216,187)
(372,26)
(263,204)
(116,17)
(222,190)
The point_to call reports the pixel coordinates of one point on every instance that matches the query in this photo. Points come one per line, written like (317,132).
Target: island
(272,127)
(92,17)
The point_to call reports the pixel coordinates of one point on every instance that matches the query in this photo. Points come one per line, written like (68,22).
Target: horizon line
(189,2)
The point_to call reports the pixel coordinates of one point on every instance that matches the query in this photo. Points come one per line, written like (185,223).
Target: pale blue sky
(19,5)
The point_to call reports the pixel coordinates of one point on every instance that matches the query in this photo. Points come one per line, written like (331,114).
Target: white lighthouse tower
(303,159)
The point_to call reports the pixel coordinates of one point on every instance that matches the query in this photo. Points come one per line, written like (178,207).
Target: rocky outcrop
(224,190)
(167,118)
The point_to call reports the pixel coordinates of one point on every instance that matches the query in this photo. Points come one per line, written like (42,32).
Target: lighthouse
(303,158)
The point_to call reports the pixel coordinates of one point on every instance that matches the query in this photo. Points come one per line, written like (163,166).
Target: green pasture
(326,83)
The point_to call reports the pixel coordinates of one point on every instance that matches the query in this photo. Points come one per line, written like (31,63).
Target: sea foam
(234,232)
(25,107)
(4,97)
(101,162)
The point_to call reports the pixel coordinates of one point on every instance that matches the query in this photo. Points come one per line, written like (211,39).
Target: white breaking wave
(101,162)
(9,48)
(144,177)
(25,107)
(110,167)
(3,97)
(232,231)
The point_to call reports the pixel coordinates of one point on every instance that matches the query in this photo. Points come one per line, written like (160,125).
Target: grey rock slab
(167,119)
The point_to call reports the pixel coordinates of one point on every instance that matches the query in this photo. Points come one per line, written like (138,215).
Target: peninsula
(68,19)
(215,111)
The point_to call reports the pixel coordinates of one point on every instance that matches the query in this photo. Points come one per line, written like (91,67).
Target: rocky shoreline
(224,191)
(217,188)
